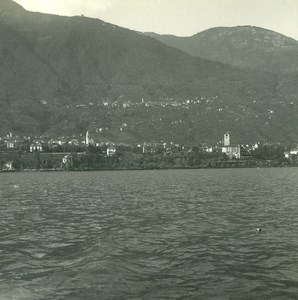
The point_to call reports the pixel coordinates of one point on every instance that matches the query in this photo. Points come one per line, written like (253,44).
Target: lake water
(181,234)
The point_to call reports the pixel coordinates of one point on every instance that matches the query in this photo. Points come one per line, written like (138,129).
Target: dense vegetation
(131,157)
(56,72)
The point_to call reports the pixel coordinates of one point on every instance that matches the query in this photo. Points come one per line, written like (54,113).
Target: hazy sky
(179,17)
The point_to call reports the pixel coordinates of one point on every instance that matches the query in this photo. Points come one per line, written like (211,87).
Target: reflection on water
(184,234)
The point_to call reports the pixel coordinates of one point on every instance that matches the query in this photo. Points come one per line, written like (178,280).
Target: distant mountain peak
(241,46)
(58,73)
(263,37)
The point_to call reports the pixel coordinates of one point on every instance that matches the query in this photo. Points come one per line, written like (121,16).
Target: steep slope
(242,46)
(64,75)
(83,57)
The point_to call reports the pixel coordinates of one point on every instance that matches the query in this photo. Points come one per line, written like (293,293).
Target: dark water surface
(183,234)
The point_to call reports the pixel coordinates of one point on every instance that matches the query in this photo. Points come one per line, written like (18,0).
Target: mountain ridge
(241,46)
(56,72)
(61,52)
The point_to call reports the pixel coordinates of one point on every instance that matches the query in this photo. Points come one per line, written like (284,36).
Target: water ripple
(149,235)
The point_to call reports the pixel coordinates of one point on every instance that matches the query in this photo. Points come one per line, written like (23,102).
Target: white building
(10,144)
(111,150)
(87,138)
(226,139)
(291,153)
(36,147)
(8,166)
(294,152)
(232,151)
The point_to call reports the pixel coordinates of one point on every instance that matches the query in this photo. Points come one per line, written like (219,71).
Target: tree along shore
(126,159)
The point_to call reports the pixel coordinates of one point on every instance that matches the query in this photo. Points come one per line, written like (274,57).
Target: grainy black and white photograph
(148,149)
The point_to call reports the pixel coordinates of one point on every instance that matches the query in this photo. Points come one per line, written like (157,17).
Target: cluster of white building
(233,151)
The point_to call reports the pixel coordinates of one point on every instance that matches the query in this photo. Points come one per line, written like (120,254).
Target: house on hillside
(111,150)
(10,141)
(10,144)
(292,153)
(231,150)
(36,147)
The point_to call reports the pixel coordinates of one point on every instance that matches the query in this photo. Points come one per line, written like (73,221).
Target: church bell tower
(226,139)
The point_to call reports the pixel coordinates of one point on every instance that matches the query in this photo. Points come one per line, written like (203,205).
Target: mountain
(242,46)
(65,75)
(80,58)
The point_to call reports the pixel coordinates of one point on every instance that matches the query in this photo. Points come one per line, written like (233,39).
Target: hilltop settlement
(84,152)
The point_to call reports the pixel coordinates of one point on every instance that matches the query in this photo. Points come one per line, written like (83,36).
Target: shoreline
(144,169)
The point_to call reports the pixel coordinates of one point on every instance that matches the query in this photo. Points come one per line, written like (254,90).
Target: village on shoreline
(83,153)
